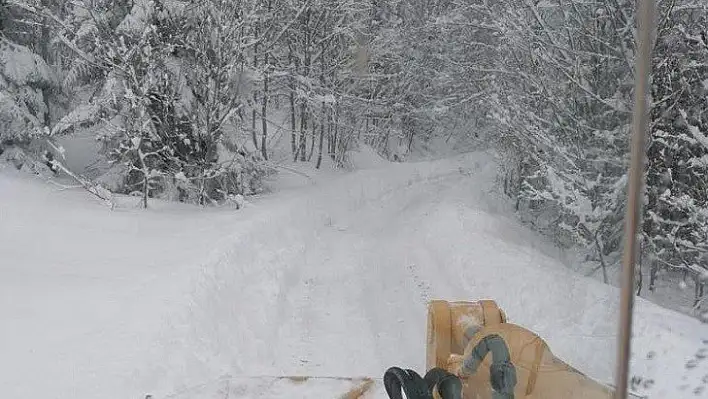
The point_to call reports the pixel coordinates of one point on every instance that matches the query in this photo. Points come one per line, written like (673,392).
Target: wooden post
(645,18)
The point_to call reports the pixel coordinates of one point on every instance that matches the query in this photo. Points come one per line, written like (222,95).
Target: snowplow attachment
(497,359)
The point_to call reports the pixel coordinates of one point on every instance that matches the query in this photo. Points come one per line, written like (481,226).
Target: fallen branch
(359,391)
(98,191)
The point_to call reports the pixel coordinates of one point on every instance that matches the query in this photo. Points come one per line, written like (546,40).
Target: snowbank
(83,290)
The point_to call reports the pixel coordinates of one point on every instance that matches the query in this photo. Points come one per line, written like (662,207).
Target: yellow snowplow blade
(492,356)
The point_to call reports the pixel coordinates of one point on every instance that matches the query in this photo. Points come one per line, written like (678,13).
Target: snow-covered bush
(165,99)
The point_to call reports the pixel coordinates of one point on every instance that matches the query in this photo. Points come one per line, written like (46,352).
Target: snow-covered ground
(329,279)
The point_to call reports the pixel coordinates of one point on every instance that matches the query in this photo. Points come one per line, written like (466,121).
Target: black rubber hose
(449,385)
(397,379)
(502,372)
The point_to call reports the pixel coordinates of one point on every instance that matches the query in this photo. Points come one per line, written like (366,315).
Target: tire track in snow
(396,315)
(334,269)
(423,286)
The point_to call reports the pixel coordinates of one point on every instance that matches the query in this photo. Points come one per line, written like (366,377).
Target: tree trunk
(322,133)
(312,140)
(335,138)
(302,149)
(293,127)
(47,56)
(653,274)
(385,143)
(303,133)
(305,73)
(264,108)
(255,94)
(145,193)
(698,293)
(146,174)
(329,136)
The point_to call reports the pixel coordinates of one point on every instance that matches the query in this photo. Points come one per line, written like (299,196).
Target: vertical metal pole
(645,21)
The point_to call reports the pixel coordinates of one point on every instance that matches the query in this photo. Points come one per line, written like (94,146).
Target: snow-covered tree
(170,84)
(564,89)
(563,105)
(26,77)
(676,220)
(25,84)
(23,75)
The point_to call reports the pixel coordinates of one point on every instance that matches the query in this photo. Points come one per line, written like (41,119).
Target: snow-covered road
(333,280)
(336,282)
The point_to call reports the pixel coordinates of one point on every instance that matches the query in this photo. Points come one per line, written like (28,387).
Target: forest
(197,101)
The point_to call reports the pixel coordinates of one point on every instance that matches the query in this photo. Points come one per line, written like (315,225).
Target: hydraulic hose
(397,381)
(502,371)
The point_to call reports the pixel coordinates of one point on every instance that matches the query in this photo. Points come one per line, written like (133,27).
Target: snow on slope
(328,280)
(83,289)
